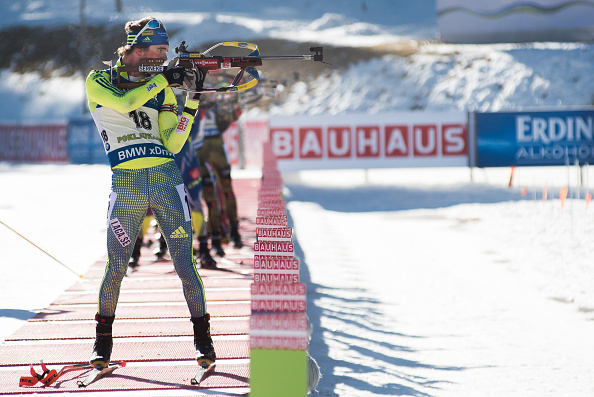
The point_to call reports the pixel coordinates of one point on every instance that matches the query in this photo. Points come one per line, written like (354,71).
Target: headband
(153,33)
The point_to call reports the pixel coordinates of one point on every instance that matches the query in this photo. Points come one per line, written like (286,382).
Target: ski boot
(135,254)
(103,341)
(216,245)
(206,260)
(235,237)
(205,352)
(161,250)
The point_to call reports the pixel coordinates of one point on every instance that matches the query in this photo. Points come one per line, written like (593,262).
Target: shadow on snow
(360,330)
(398,198)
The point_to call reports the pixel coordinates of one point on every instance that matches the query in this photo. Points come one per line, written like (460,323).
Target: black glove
(195,82)
(175,76)
(201,75)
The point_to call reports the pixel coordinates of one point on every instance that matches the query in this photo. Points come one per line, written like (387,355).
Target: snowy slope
(435,77)
(441,77)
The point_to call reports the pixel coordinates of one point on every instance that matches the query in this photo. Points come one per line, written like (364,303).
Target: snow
(61,209)
(435,77)
(443,77)
(422,282)
(444,288)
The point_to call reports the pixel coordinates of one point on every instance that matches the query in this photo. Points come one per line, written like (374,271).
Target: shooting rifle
(197,60)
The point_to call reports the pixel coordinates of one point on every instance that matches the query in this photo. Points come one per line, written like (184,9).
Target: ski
(53,375)
(205,369)
(98,372)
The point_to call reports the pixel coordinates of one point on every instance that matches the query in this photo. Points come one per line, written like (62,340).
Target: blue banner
(535,138)
(84,143)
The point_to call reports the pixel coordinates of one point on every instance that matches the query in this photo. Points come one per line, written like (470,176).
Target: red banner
(34,143)
(354,141)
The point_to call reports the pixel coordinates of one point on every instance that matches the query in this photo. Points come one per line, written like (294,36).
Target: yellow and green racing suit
(141,132)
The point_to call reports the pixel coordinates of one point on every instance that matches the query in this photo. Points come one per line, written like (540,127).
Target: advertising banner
(354,141)
(497,21)
(535,138)
(252,133)
(279,331)
(231,137)
(84,142)
(33,143)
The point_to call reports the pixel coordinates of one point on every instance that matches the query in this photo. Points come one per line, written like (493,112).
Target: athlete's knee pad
(208,192)
(229,195)
(225,173)
(226,183)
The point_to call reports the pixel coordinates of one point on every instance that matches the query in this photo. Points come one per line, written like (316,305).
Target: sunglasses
(152,24)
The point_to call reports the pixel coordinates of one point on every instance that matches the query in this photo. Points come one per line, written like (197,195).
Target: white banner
(497,21)
(354,141)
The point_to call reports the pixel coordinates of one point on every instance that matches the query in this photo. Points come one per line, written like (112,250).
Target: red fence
(34,143)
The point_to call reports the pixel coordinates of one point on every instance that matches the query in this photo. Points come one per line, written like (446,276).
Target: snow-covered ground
(61,209)
(422,284)
(419,281)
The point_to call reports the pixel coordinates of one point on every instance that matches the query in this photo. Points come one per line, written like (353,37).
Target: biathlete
(190,170)
(210,148)
(141,133)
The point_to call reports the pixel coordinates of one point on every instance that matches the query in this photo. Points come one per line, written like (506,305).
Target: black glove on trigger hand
(175,76)
(199,76)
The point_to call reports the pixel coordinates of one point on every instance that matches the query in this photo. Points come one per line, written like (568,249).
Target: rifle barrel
(284,57)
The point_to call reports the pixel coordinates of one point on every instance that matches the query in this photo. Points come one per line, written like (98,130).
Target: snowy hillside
(430,75)
(441,77)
